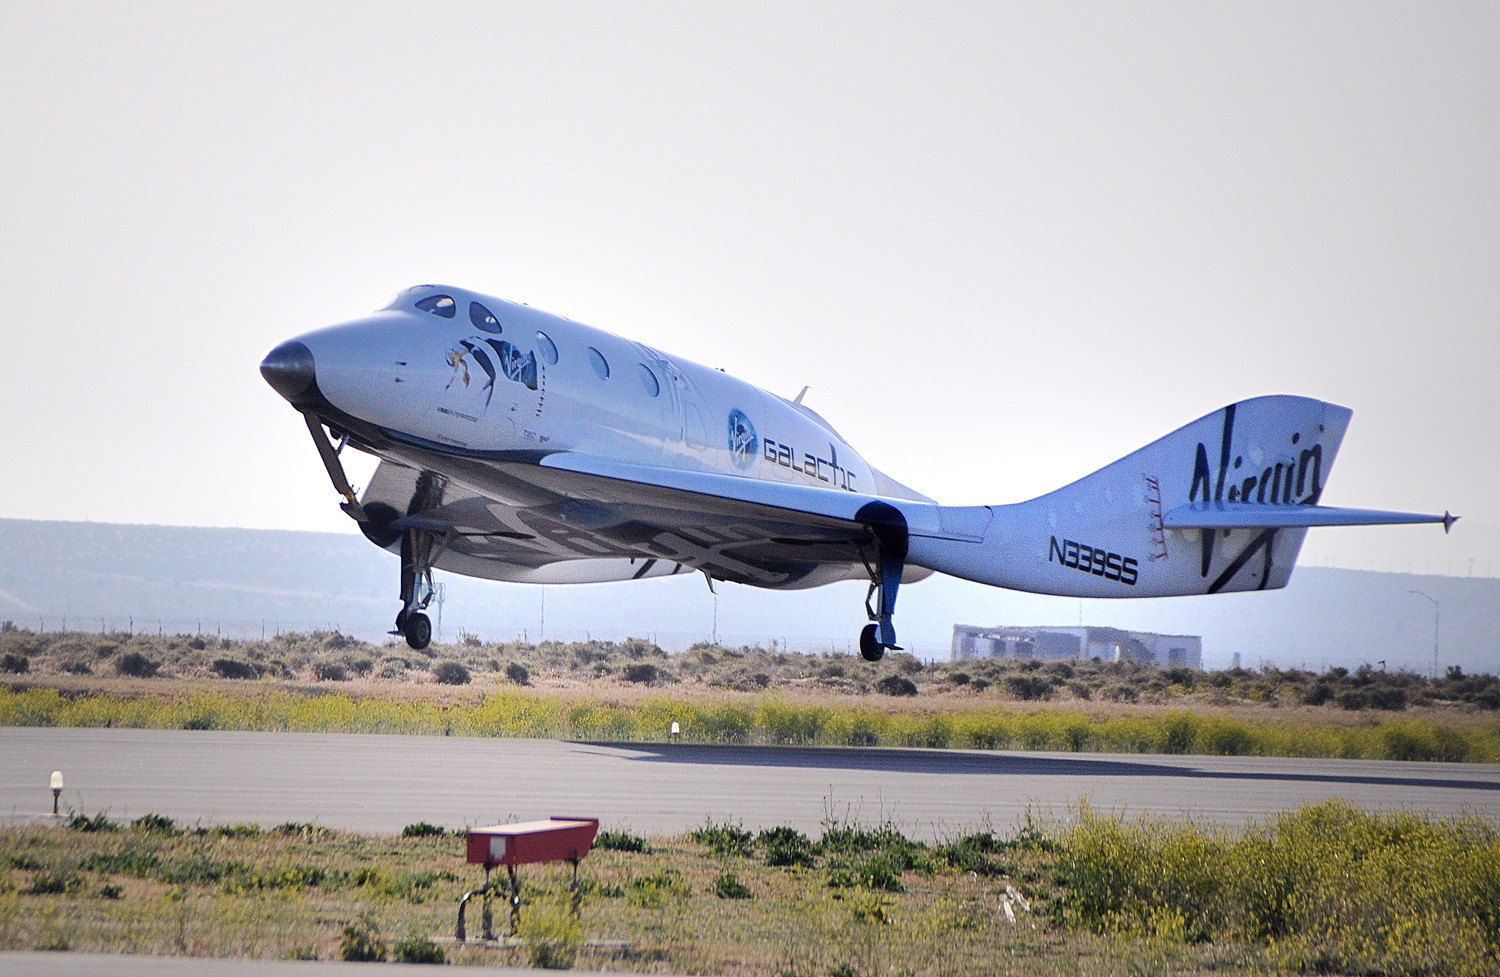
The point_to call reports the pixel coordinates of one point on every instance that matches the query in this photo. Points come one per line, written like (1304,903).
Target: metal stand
(515,901)
(487,919)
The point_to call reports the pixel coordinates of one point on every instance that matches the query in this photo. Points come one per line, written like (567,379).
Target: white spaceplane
(523,446)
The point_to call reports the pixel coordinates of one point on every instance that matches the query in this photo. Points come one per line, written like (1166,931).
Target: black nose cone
(290,371)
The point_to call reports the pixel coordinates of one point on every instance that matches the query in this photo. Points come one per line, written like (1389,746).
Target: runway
(382,783)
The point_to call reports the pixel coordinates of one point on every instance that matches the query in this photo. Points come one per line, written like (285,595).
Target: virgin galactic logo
(744,446)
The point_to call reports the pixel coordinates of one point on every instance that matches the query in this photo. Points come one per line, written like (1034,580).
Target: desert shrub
(99,822)
(728,886)
(878,872)
(643,673)
(76,666)
(15,664)
(1178,733)
(908,664)
(449,672)
(959,678)
(552,935)
(233,668)
(156,824)
(362,940)
(786,847)
(724,839)
(56,882)
(896,685)
(652,891)
(362,666)
(418,949)
(969,853)
(1329,888)
(331,672)
(423,830)
(620,841)
(197,643)
(1028,687)
(1177,675)
(518,673)
(1318,694)
(136,665)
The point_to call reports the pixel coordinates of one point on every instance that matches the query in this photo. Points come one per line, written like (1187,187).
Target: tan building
(1058,644)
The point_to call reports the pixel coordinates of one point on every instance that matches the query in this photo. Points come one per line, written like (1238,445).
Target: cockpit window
(483,318)
(599,363)
(548,348)
(442,305)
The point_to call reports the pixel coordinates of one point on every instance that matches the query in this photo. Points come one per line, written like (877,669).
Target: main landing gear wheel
(870,647)
(418,630)
(400,622)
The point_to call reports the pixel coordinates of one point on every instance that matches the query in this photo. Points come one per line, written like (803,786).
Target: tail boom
(1220,505)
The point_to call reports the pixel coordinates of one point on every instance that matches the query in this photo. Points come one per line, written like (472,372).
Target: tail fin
(1220,505)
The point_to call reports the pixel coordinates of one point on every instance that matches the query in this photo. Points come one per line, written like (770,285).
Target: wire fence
(379,632)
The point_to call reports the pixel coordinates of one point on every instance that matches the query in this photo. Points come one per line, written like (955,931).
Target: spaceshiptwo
(523,446)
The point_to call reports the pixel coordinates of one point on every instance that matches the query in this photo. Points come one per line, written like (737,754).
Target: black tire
(418,631)
(870,647)
(401,621)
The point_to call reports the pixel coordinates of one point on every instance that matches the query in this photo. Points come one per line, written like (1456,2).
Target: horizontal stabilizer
(1253,515)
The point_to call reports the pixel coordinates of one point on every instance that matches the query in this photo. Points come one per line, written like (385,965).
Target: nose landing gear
(423,540)
(891,540)
(419,549)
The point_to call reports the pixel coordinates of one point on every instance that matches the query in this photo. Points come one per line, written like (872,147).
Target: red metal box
(556,840)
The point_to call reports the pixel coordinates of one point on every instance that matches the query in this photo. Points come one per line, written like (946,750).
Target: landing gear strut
(423,540)
(417,555)
(889,527)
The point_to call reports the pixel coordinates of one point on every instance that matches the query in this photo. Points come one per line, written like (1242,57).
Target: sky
(1004,244)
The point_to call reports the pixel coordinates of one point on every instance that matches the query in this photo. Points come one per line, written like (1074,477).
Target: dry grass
(1325,889)
(769,718)
(748,695)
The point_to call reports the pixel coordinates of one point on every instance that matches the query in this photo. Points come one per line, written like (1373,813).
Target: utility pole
(1437,621)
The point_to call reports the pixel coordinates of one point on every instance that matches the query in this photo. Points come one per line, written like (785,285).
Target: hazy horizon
(243,583)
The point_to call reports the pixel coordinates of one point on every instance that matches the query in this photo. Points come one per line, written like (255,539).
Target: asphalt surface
(382,783)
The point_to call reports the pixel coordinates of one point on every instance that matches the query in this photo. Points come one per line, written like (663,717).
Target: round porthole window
(599,363)
(648,380)
(547,347)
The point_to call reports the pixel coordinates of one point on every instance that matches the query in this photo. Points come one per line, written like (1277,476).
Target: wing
(575,518)
(1230,515)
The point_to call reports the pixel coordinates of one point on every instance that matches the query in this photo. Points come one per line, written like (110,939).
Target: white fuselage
(418,375)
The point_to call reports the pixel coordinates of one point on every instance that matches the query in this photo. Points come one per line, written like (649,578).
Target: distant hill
(240,581)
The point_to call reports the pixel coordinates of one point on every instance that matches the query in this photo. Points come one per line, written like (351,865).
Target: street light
(57,786)
(1437,620)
